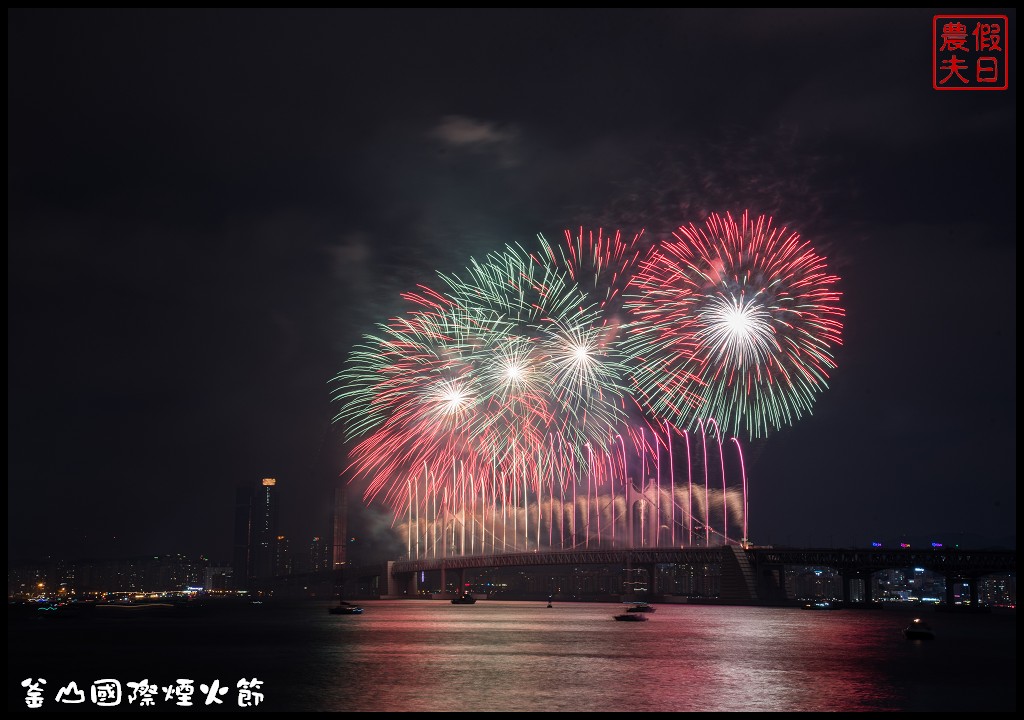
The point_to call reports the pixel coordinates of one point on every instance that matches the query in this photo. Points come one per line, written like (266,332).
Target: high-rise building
(264,528)
(282,557)
(340,529)
(241,558)
(317,554)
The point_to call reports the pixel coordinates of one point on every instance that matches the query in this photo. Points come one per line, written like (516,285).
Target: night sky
(207,209)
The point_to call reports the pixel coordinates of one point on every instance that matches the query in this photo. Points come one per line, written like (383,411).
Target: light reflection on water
(518,656)
(432,656)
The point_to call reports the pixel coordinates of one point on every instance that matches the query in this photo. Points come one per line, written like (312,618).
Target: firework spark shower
(736,320)
(514,384)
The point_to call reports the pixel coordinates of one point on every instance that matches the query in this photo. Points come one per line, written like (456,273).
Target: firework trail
(735,321)
(600,265)
(510,357)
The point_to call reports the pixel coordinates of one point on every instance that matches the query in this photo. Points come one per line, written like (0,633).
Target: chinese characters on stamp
(969,52)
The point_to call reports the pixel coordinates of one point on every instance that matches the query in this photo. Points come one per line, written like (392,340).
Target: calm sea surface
(432,656)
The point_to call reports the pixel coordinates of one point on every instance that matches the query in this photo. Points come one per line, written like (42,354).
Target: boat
(918,629)
(631,617)
(640,607)
(145,607)
(984,609)
(464,599)
(344,608)
(819,605)
(60,608)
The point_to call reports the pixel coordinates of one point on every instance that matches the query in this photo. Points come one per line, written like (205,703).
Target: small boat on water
(918,629)
(344,608)
(819,605)
(640,607)
(464,599)
(631,617)
(57,608)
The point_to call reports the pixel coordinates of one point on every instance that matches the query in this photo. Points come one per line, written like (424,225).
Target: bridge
(748,575)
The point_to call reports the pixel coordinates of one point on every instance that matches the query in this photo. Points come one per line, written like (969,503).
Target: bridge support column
(401,585)
(771,583)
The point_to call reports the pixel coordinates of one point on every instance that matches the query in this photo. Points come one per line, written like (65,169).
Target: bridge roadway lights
(767,563)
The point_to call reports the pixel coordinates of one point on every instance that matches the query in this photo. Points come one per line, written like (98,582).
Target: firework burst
(736,321)
(476,378)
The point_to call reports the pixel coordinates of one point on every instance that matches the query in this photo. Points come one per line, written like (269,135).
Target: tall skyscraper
(339,537)
(317,554)
(241,557)
(264,528)
(282,557)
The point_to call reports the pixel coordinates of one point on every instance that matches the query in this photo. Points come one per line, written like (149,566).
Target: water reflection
(515,656)
(432,656)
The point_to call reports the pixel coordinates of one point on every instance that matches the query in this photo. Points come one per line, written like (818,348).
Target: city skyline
(864,578)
